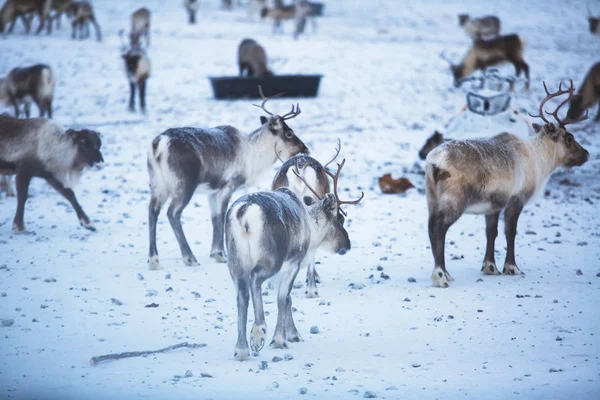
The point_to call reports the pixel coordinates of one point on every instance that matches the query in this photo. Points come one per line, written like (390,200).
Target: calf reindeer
(274,232)
(252,59)
(589,94)
(137,66)
(487,53)
(81,14)
(140,25)
(39,148)
(22,85)
(220,159)
(478,28)
(293,174)
(192,8)
(486,176)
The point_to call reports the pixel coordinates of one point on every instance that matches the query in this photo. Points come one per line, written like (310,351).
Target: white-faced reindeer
(24,85)
(274,232)
(137,67)
(140,26)
(221,159)
(39,148)
(479,28)
(316,175)
(13,9)
(589,94)
(252,59)
(81,14)
(487,53)
(486,176)
(192,8)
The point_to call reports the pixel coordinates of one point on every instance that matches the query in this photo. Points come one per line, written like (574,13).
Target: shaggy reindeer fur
(269,233)
(314,173)
(479,28)
(589,94)
(22,85)
(486,176)
(220,159)
(252,59)
(39,148)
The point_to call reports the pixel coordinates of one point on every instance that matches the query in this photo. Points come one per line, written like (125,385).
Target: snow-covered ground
(385,90)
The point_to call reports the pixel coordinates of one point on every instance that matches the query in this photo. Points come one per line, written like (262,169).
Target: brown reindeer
(81,13)
(486,176)
(252,59)
(24,85)
(57,9)
(478,28)
(140,26)
(589,94)
(13,9)
(487,53)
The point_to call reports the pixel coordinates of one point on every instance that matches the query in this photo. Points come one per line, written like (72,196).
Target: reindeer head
(434,141)
(570,152)
(285,139)
(463,19)
(456,69)
(88,145)
(329,216)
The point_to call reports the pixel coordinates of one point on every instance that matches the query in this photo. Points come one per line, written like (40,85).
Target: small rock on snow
(188,374)
(392,387)
(579,272)
(288,357)
(140,277)
(205,375)
(303,390)
(412,280)
(416,365)
(356,286)
(314,330)
(116,302)
(369,395)
(276,359)
(7,322)
(263,365)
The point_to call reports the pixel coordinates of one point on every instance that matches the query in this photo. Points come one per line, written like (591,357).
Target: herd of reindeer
(279,231)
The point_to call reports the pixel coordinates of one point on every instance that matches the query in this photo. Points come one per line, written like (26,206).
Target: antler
(560,92)
(296,171)
(335,178)
(265,99)
(337,153)
(293,113)
(277,154)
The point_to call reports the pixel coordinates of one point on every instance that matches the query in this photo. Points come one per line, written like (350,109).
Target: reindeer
(137,66)
(486,53)
(589,94)
(317,175)
(58,7)
(478,28)
(140,25)
(252,59)
(22,85)
(298,11)
(594,22)
(12,9)
(39,148)
(192,7)
(81,13)
(274,232)
(220,159)
(486,176)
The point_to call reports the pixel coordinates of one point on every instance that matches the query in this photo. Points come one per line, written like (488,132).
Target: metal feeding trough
(316,8)
(244,87)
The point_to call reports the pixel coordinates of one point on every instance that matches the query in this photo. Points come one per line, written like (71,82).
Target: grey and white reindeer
(137,68)
(220,160)
(486,176)
(38,147)
(275,232)
(24,85)
(317,177)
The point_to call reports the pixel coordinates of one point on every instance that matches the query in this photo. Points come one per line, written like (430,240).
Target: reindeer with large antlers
(274,232)
(486,176)
(220,160)
(311,186)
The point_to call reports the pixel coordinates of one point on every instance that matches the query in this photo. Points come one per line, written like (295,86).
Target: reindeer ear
(330,202)
(536,127)
(552,131)
(263,119)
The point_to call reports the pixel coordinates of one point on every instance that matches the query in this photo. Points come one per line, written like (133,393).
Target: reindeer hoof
(257,337)
(190,261)
(219,256)
(154,263)
(241,354)
(489,268)
(510,269)
(278,344)
(18,228)
(88,225)
(440,278)
(311,293)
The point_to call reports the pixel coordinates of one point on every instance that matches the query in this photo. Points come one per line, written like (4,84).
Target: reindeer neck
(261,152)
(317,233)
(545,155)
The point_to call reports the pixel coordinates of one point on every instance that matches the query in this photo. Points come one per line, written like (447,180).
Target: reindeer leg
(74,26)
(42,107)
(142,84)
(156,203)
(491,231)
(49,108)
(291,332)
(131,96)
(97,28)
(511,217)
(42,21)
(598,114)
(284,304)
(179,201)
(242,352)
(22,182)
(27,109)
(218,207)
(15,104)
(258,275)
(311,279)
(439,223)
(70,196)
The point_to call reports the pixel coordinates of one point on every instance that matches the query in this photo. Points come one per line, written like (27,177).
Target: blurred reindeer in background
(192,8)
(57,9)
(140,26)
(24,85)
(13,9)
(252,59)
(81,14)
(594,22)
(479,28)
(137,67)
(299,12)
(588,95)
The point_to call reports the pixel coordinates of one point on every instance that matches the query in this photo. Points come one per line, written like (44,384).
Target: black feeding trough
(244,87)
(316,8)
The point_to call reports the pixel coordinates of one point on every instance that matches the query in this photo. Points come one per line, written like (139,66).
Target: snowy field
(384,91)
